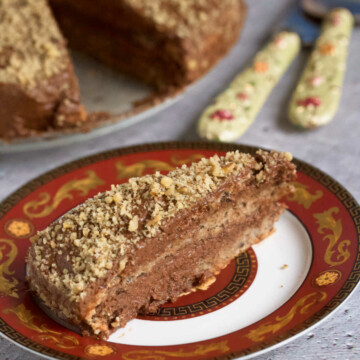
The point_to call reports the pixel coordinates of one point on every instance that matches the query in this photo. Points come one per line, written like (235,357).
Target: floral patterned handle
(235,109)
(316,97)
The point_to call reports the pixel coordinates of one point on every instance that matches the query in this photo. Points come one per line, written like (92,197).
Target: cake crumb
(285,266)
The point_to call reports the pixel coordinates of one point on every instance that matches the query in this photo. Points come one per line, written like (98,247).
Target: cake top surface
(89,240)
(31,45)
(182,16)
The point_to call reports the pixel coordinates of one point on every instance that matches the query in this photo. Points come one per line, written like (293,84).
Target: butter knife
(235,109)
(316,98)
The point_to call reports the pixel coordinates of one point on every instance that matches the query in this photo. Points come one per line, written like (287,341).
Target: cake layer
(164,43)
(140,244)
(205,248)
(38,87)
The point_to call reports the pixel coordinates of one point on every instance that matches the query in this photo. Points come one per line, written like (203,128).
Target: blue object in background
(300,18)
(298,21)
(352,5)
(319,8)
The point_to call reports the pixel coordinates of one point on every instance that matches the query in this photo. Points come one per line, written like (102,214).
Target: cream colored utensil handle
(235,109)
(316,97)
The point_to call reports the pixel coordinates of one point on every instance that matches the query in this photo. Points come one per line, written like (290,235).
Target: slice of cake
(142,243)
(166,43)
(38,88)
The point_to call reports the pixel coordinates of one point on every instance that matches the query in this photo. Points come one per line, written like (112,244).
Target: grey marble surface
(335,149)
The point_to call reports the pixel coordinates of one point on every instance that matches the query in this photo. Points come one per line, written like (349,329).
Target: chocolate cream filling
(184,251)
(202,246)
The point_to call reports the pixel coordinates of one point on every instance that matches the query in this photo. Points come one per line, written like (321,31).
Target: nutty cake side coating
(37,82)
(166,43)
(132,248)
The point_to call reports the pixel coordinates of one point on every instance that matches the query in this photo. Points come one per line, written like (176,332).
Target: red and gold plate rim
(327,210)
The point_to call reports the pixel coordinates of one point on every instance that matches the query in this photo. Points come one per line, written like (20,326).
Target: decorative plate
(275,291)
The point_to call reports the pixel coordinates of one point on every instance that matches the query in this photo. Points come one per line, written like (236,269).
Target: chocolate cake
(130,249)
(38,87)
(166,43)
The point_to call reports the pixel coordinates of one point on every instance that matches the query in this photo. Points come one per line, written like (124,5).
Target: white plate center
(284,260)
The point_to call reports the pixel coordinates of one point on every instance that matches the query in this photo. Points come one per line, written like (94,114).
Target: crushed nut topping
(134,223)
(31,45)
(97,236)
(181,16)
(166,181)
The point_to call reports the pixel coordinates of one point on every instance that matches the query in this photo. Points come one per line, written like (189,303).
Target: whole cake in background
(162,42)
(130,249)
(165,43)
